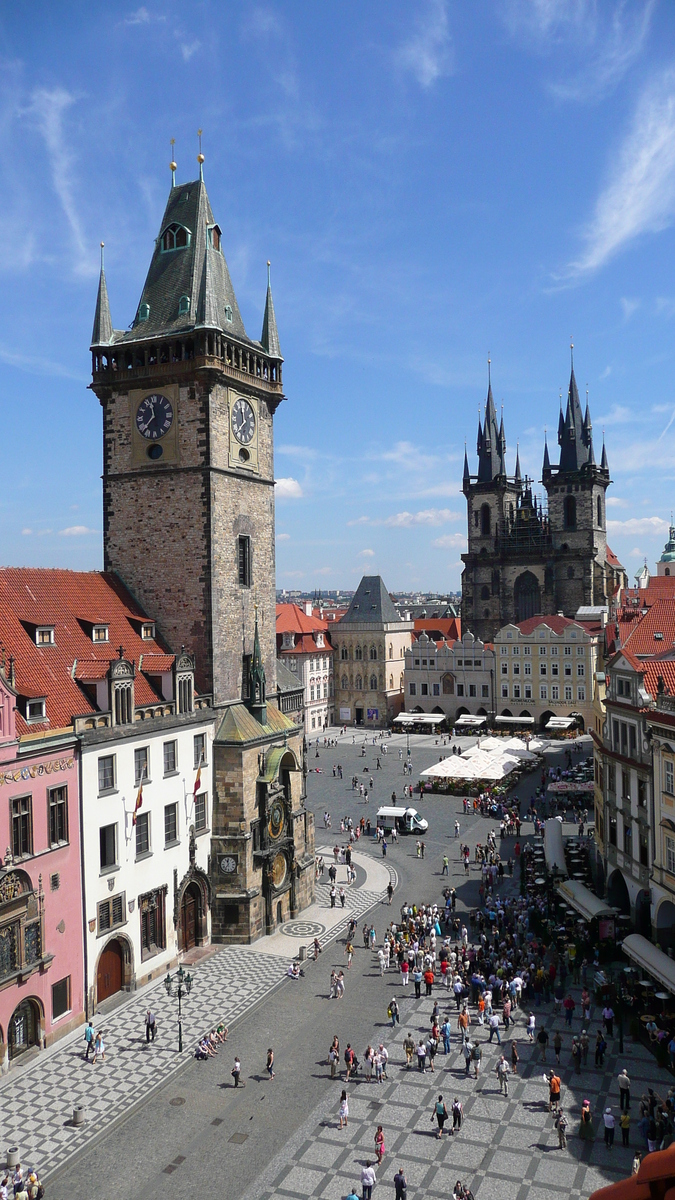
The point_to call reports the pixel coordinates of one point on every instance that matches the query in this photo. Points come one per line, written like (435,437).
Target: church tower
(188,403)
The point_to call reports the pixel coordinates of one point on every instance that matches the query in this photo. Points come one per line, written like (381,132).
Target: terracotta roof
(652,670)
(449,628)
(291,618)
(157,664)
(555,623)
(612,559)
(643,637)
(70,601)
(305,645)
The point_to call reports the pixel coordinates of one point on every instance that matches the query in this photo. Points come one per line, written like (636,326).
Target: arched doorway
(643,919)
(526,596)
(110,973)
(545,718)
(24,1028)
(617,893)
(358,716)
(190,916)
(665,925)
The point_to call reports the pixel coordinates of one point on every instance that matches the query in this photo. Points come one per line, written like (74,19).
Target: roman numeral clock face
(154,417)
(243,421)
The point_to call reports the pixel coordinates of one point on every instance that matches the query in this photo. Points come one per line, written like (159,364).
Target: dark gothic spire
(517,475)
(466,478)
(604,465)
(490,455)
(269,338)
(257,686)
(102,332)
(479,438)
(576,440)
(547,461)
(561,422)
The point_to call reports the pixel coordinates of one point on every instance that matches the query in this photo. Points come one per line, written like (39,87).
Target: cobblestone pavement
(507,1148)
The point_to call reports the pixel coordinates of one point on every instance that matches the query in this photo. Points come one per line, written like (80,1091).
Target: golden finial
(173,164)
(102,244)
(268,273)
(200,156)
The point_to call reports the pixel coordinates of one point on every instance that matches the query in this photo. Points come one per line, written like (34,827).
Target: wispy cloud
(77,531)
(283,537)
(616,49)
(427,53)
(48,108)
(639,196)
(405,520)
(616,502)
(140,17)
(35,365)
(619,414)
(664,306)
(450,539)
(639,526)
(366,554)
(188,49)
(629,306)
(288,489)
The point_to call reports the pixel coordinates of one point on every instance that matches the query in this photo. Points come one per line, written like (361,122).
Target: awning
(567,786)
(583,901)
(651,959)
(419,718)
(561,723)
(467,719)
(554,850)
(514,720)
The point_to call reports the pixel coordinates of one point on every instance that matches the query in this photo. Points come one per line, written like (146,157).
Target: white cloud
(187,49)
(405,520)
(26,532)
(76,531)
(665,306)
(639,196)
(639,526)
(296,451)
(617,49)
(140,17)
(450,539)
(616,502)
(618,415)
(545,18)
(323,571)
(427,54)
(288,489)
(629,306)
(636,552)
(283,537)
(48,108)
(366,554)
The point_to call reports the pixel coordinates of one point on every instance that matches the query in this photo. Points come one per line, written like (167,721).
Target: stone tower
(521,559)
(188,465)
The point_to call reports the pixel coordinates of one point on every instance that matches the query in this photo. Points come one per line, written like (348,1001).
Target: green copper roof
(669,549)
(239,725)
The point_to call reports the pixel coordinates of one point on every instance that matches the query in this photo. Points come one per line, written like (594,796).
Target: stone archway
(643,920)
(526,596)
(617,893)
(114,969)
(25,1028)
(665,925)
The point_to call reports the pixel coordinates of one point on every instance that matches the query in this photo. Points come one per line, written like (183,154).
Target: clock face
(154,416)
(228,865)
(243,421)
(276,819)
(279,870)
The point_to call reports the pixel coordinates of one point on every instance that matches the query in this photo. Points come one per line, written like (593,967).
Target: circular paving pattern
(303,929)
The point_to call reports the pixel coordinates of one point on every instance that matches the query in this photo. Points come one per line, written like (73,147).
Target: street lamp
(184,981)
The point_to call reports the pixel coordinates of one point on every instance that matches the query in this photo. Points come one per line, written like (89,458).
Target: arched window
(485,593)
(144,312)
(401,682)
(345,683)
(373,683)
(357,653)
(448,685)
(357,683)
(570,572)
(527,596)
(175,237)
(228,314)
(214,237)
(391,650)
(570,512)
(391,683)
(485,520)
(344,652)
(183,305)
(599,506)
(667,571)
(373,653)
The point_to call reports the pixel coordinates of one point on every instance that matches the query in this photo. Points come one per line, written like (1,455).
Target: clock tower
(188,403)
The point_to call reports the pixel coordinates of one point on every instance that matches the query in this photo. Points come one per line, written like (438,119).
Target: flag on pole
(139,801)
(197,781)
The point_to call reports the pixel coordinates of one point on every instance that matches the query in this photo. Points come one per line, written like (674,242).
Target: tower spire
(257,691)
(173,164)
(269,337)
(466,476)
(518,475)
(547,461)
(101,334)
(200,157)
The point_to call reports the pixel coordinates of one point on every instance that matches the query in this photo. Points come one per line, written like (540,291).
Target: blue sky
(432,182)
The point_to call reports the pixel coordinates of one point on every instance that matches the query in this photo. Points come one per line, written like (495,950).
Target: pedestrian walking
(600,1047)
(401,1185)
(368,1181)
(334,1059)
(236,1072)
(457,1114)
(99,1047)
(609,1127)
(515,1057)
(493,1023)
(409,1047)
(557,1046)
(531,1027)
(553,1091)
(379,1144)
(542,1040)
(89,1036)
(343,1110)
(576,1056)
(637,1162)
(624,1123)
(624,1090)
(561,1126)
(393,1012)
(421,1056)
(441,1114)
(446,865)
(476,1056)
(502,1073)
(150,1025)
(608,1019)
(270,1063)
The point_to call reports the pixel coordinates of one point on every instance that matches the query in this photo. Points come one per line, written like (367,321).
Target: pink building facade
(41,944)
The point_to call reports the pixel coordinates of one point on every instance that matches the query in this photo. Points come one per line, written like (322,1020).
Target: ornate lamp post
(184,981)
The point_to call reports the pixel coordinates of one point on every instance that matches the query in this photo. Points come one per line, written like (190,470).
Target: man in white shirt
(368,1181)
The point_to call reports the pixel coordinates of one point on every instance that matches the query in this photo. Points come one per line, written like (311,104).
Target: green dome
(669,550)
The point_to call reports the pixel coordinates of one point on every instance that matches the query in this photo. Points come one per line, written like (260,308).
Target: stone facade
(450,678)
(546,668)
(369,645)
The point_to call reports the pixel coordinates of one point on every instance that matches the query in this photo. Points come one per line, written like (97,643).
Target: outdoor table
(539,881)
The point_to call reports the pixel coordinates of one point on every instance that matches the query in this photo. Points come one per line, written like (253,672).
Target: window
(516,691)
(581,651)
(527,649)
(543,691)
(344,653)
(200,812)
(599,508)
(123,706)
(183,305)
(228,313)
(642,793)
(373,683)
(516,650)
(627,839)
(170,824)
(391,650)
(244,561)
(611,777)
(58,815)
(460,689)
(141,765)
(485,593)
(505,668)
(22,826)
(437,687)
(516,668)
(505,691)
(144,312)
(311,692)
(668,781)
(60,998)
(570,512)
(555,692)
(581,670)
(555,668)
(568,670)
(344,683)
(528,691)
(413,689)
(612,831)
(528,668)
(99,633)
(644,848)
(542,649)
(358,682)
(142,834)
(153,923)
(472,689)
(570,572)
(36,710)
(504,650)
(148,630)
(485,520)
(214,237)
(44,635)
(108,846)
(567,651)
(185,690)
(170,757)
(358,654)
(581,693)
(199,750)
(542,668)
(554,651)
(568,693)
(373,652)
(175,238)
(670,855)
(424,689)
(484,691)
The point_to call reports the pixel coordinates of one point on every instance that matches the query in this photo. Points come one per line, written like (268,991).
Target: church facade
(188,402)
(524,558)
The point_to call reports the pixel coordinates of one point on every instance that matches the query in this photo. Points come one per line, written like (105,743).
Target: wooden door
(109,975)
(188,915)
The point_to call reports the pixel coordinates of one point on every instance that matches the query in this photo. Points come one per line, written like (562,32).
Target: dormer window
(144,312)
(183,305)
(44,635)
(36,710)
(319,639)
(228,313)
(175,237)
(99,633)
(148,631)
(214,237)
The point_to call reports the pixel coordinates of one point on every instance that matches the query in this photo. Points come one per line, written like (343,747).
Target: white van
(403,820)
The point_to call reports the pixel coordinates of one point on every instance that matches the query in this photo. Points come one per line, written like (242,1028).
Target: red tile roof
(612,559)
(652,670)
(659,619)
(554,622)
(291,618)
(156,664)
(72,602)
(305,645)
(449,628)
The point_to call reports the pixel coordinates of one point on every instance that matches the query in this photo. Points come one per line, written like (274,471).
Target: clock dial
(276,819)
(228,865)
(279,870)
(243,421)
(154,416)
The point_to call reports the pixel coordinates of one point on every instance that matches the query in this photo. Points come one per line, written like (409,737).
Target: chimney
(308,608)
(603,618)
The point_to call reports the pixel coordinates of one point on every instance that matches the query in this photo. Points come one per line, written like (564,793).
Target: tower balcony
(123,362)
(524,536)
